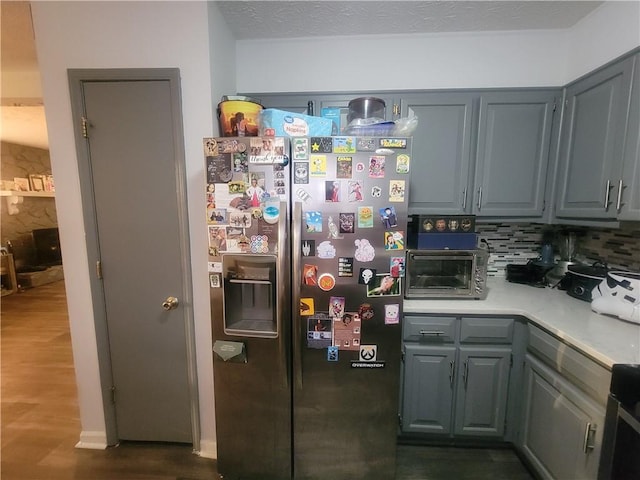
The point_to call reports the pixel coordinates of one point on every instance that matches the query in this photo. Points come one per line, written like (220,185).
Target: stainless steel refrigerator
(306,264)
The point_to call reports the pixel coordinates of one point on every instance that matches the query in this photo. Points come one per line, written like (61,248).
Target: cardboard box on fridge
(281,123)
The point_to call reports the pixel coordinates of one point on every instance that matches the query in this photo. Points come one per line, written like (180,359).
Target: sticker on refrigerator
(366,276)
(307,306)
(326,250)
(360,167)
(344,167)
(326,282)
(216,216)
(321,144)
(364,250)
(240,219)
(388,217)
(231,145)
(384,285)
(396,267)
(333,228)
(219,169)
(240,162)
(345,266)
(366,311)
(344,145)
(347,222)
(366,144)
(310,275)
(332,191)
(368,353)
(376,166)
(394,240)
(332,353)
(267,150)
(218,238)
(355,191)
(393,142)
(214,280)
(376,191)
(302,194)
(214,267)
(313,221)
(237,241)
(210,147)
(300,147)
(300,172)
(259,244)
(309,248)
(319,330)
(318,165)
(346,331)
(336,307)
(365,217)
(396,190)
(392,314)
(402,163)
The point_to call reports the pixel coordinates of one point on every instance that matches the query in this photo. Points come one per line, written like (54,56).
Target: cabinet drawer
(486,330)
(586,374)
(429,329)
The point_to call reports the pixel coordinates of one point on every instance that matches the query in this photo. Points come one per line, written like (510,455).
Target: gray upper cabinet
(441,151)
(628,197)
(514,133)
(592,143)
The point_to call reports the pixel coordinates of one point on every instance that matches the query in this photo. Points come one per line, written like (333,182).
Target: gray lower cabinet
(563,427)
(564,400)
(589,177)
(456,376)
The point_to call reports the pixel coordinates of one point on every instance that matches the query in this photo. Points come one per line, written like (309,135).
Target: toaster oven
(446,274)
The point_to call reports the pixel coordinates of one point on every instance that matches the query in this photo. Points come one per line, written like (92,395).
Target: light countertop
(606,339)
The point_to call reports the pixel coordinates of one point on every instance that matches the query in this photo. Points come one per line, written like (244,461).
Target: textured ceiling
(290,19)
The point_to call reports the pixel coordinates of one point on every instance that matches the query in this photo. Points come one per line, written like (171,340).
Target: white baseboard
(92,440)
(208,449)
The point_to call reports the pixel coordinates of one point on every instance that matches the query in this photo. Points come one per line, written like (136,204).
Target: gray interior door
(133,152)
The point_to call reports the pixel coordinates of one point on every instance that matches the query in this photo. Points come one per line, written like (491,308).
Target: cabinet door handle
(452,369)
(431,333)
(619,201)
(465,373)
(589,436)
(464,199)
(607,195)
(479,198)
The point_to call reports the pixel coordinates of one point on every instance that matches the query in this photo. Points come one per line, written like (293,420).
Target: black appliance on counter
(620,457)
(580,280)
(532,273)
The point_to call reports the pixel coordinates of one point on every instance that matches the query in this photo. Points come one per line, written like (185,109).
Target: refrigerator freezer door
(351,219)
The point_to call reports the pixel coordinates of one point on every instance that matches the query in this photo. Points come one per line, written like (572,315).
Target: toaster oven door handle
(431,333)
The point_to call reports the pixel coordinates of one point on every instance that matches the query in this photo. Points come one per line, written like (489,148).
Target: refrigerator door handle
(296,237)
(281,289)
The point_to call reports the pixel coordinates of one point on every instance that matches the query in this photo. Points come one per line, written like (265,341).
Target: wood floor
(40,418)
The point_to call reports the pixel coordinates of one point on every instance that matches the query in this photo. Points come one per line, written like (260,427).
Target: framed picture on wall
(49,186)
(37,182)
(21,184)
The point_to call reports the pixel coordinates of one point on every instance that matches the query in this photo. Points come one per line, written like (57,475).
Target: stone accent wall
(34,212)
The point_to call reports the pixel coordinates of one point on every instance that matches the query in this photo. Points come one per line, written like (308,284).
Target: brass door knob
(170,303)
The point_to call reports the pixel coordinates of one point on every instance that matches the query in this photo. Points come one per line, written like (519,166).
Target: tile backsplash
(519,242)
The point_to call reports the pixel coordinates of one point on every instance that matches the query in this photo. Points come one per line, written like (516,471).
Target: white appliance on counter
(618,295)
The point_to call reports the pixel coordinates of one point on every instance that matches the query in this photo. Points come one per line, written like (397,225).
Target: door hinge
(402,357)
(99,270)
(555,106)
(396,109)
(113,394)
(85,127)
